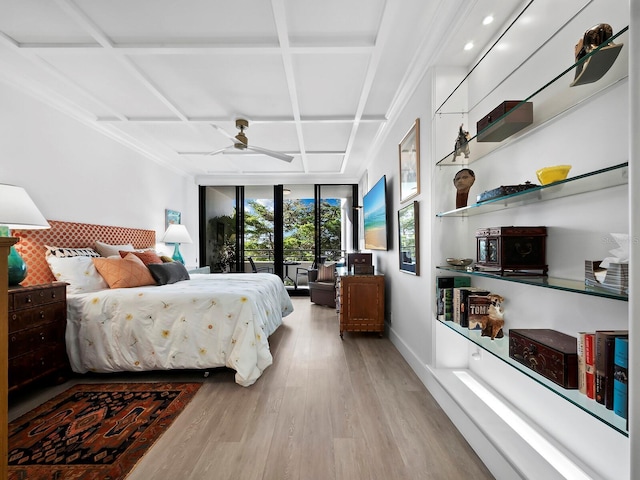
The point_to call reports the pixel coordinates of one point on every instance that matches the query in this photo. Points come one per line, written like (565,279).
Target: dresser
(360,303)
(37,323)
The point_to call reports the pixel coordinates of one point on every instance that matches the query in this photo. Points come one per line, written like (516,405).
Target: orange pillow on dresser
(147,257)
(124,272)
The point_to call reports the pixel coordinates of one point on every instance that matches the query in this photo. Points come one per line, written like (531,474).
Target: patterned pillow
(62,252)
(124,272)
(147,256)
(79,272)
(106,250)
(326,273)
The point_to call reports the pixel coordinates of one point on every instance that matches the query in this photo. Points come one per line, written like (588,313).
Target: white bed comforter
(208,321)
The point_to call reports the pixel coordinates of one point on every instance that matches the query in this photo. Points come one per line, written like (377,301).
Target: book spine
(456,305)
(582,379)
(590,367)
(448,304)
(620,375)
(600,366)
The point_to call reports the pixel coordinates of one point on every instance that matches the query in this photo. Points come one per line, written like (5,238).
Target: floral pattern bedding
(206,322)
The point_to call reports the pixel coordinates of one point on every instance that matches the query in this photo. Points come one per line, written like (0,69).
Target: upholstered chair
(322,285)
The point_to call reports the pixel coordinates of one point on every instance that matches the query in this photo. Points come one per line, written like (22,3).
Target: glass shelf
(554,98)
(567,285)
(589,182)
(500,349)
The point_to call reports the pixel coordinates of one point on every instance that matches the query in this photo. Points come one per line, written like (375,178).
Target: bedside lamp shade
(177,234)
(17,211)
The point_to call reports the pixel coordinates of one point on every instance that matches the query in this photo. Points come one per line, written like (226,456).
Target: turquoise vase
(17,267)
(177,257)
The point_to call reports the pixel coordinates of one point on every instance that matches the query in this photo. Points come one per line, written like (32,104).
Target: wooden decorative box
(492,128)
(516,250)
(552,354)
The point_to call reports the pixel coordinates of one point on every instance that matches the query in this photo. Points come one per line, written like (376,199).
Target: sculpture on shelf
(463,181)
(493,321)
(462,143)
(593,68)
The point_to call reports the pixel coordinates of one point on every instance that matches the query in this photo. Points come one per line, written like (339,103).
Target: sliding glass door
(285,229)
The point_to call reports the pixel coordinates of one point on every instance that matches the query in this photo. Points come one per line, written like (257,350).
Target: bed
(208,321)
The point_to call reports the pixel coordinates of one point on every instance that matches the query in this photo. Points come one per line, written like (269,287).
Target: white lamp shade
(176,233)
(17,210)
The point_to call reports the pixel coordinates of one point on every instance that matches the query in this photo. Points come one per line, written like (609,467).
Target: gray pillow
(164,273)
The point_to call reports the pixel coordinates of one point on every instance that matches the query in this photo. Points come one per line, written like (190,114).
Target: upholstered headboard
(32,243)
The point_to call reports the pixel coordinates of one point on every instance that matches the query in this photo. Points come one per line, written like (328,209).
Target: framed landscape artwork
(409,150)
(408,239)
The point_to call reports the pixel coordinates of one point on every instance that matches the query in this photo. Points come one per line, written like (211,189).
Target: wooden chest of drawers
(37,323)
(361,303)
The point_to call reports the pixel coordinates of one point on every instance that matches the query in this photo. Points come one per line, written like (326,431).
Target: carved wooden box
(512,250)
(551,353)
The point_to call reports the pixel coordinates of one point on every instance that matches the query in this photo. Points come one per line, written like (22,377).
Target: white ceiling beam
(253,121)
(385,30)
(191,49)
(280,17)
(89,26)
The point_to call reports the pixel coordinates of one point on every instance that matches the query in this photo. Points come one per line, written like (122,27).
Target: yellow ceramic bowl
(548,175)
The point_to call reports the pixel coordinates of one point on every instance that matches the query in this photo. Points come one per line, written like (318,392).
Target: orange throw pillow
(147,257)
(124,272)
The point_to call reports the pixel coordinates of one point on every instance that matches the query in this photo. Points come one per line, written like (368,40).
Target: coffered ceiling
(319,80)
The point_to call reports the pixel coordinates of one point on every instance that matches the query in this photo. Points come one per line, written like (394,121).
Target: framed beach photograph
(409,150)
(408,239)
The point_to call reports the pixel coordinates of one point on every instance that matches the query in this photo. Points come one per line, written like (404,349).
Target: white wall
(75,173)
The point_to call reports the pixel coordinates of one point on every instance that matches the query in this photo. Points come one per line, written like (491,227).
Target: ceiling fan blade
(271,153)
(215,152)
(223,132)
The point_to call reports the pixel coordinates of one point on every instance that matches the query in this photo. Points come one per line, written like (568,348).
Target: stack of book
(603,368)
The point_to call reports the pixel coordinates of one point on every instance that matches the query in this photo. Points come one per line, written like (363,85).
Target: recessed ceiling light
(487,20)
(468,46)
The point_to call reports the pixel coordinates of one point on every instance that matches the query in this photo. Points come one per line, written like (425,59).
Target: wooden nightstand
(37,323)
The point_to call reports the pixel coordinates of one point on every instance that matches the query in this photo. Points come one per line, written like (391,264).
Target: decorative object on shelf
(508,118)
(462,143)
(459,262)
(408,239)
(552,354)
(409,149)
(553,174)
(18,211)
(360,263)
(512,250)
(492,323)
(614,278)
(504,190)
(176,234)
(599,62)
(612,273)
(463,181)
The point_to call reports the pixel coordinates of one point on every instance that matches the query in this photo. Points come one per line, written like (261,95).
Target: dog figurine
(493,321)
(462,143)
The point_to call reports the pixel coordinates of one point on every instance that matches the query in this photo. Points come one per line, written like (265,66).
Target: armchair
(304,272)
(322,285)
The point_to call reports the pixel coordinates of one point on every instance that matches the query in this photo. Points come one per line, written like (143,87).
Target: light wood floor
(326,409)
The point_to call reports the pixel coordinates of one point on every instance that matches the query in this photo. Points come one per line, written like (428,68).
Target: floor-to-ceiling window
(283,228)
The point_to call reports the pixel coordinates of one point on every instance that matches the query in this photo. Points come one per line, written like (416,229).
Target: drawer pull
(28,299)
(14,338)
(42,315)
(53,294)
(42,337)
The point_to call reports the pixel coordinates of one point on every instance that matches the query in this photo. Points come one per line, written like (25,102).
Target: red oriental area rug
(93,432)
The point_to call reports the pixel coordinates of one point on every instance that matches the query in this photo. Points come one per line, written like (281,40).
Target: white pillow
(107,250)
(79,272)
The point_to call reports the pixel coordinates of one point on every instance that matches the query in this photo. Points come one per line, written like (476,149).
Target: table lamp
(177,234)
(17,211)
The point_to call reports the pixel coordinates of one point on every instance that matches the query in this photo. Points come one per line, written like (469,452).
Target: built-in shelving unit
(549,101)
(475,96)
(500,349)
(565,284)
(589,182)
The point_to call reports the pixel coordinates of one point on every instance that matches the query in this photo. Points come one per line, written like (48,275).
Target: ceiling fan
(241,142)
